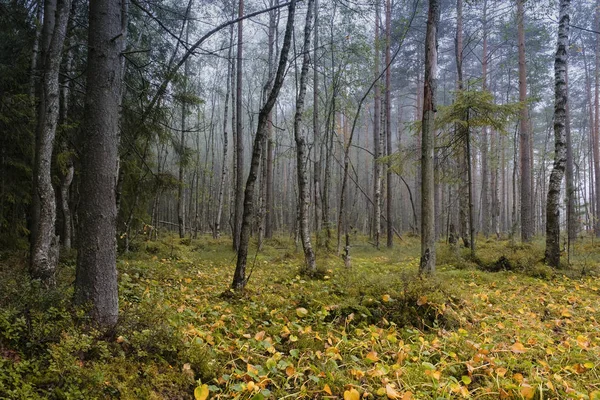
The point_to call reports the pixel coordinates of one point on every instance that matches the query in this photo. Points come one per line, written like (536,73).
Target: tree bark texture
(377,135)
(388,123)
(560,149)
(527,223)
(222,181)
(239,138)
(427,263)
(317,145)
(302,152)
(462,133)
(45,246)
(96,276)
(239,277)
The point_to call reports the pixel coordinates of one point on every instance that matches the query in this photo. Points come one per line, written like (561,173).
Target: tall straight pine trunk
(527,223)
(96,275)
(377,134)
(427,263)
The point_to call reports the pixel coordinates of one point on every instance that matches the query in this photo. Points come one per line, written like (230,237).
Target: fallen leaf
(301,312)
(201,392)
(518,348)
(351,394)
(390,392)
(372,356)
(327,389)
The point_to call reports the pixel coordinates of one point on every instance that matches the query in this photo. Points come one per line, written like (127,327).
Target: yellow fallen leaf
(372,356)
(327,389)
(260,335)
(390,392)
(290,370)
(386,298)
(351,394)
(407,396)
(201,392)
(527,391)
(518,348)
(501,371)
(422,300)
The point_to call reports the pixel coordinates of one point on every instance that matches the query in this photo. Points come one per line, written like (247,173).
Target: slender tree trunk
(388,123)
(96,275)
(181,212)
(68,169)
(486,211)
(572,224)
(377,135)
(316,129)
(45,246)
(596,130)
(239,277)
(463,192)
(527,223)
(302,152)
(427,263)
(239,138)
(560,147)
(222,182)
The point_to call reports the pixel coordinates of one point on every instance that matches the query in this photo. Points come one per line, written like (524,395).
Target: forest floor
(376,330)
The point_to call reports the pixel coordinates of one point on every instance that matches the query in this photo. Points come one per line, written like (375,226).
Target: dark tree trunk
(427,263)
(239,277)
(317,145)
(377,135)
(388,123)
(462,132)
(239,138)
(96,277)
(527,223)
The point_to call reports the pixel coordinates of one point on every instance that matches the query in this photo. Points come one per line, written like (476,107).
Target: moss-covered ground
(376,330)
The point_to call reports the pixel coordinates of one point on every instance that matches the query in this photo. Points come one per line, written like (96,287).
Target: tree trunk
(302,152)
(377,135)
(181,214)
(560,149)
(572,223)
(427,263)
(486,211)
(239,138)
(45,245)
(239,277)
(463,192)
(217,223)
(524,135)
(316,130)
(96,275)
(388,123)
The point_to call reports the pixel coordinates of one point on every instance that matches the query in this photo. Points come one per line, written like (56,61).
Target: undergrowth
(377,329)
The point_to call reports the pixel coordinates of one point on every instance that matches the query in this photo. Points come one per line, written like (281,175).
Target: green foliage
(476,109)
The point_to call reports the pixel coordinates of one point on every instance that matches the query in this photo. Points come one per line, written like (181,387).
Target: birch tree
(560,151)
